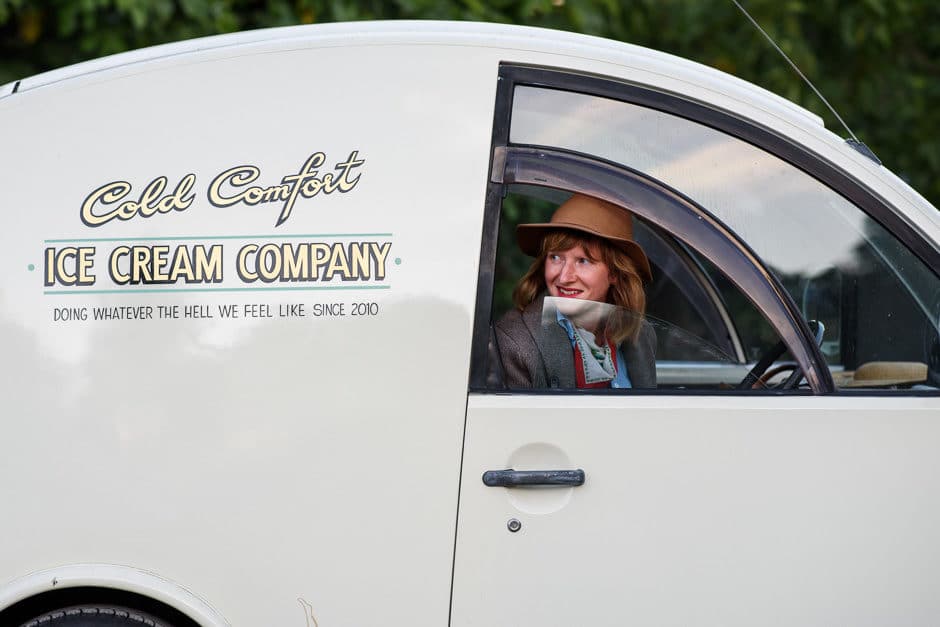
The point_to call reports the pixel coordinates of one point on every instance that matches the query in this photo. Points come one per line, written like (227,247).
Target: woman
(583,257)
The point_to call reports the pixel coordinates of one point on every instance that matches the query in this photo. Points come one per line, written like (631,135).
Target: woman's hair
(626,292)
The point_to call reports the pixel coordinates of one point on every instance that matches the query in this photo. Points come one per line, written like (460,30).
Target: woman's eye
(584,261)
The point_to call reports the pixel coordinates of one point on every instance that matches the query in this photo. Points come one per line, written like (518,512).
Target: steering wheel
(758,375)
(762,380)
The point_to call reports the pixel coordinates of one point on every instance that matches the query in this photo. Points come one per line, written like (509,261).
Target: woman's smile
(573,273)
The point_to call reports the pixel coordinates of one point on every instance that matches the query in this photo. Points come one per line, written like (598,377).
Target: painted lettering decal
(102,206)
(194,264)
(232,186)
(117,200)
(226,261)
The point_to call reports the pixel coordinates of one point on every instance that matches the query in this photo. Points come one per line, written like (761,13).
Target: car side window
(696,344)
(868,307)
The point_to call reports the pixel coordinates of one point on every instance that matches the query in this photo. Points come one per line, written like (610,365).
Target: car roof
(423,31)
(581,52)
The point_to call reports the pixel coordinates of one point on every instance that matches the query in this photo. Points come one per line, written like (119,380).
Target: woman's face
(572,274)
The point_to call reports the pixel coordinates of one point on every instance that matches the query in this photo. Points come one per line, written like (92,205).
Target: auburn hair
(626,291)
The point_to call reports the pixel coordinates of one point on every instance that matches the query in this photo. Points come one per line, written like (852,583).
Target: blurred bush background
(876,61)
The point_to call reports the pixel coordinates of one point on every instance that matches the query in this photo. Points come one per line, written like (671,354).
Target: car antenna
(854,142)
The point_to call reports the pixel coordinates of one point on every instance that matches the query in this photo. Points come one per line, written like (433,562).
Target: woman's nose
(568,273)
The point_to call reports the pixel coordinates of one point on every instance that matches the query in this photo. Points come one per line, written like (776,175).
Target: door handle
(512,478)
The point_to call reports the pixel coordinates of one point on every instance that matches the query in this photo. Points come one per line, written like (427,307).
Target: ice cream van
(325,327)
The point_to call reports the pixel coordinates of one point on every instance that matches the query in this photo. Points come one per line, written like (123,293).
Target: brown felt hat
(588,215)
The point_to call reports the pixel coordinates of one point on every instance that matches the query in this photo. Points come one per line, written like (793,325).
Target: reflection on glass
(878,301)
(770,204)
(572,329)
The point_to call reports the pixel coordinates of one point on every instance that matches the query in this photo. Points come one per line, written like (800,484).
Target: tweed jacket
(535,356)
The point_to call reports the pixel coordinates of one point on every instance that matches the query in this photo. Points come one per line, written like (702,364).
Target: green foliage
(512,263)
(878,62)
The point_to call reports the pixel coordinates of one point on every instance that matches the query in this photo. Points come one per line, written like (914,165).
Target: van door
(801,497)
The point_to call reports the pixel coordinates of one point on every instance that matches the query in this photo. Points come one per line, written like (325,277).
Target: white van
(249,378)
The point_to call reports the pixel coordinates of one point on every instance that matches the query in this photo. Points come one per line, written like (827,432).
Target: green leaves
(878,62)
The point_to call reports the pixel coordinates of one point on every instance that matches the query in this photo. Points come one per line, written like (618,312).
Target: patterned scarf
(594,366)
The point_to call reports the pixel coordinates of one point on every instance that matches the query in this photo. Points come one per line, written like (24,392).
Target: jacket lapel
(553,346)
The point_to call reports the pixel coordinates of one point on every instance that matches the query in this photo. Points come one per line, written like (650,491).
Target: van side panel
(236,324)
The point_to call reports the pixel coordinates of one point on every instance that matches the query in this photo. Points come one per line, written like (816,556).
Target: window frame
(551,167)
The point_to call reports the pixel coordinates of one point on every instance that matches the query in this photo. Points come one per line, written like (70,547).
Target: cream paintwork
(704,511)
(255,462)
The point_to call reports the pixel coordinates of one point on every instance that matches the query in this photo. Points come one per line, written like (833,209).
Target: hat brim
(529,237)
